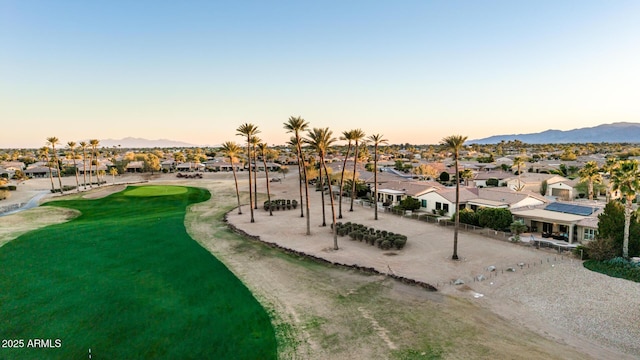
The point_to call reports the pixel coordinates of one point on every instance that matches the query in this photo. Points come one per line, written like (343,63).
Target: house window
(438,205)
(398,198)
(423,203)
(589,234)
(445,207)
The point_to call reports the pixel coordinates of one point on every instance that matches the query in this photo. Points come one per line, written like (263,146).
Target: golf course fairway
(124,280)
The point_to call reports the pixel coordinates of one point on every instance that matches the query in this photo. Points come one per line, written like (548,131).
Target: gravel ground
(603,309)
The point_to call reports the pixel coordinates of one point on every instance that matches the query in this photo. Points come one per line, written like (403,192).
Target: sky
(413,71)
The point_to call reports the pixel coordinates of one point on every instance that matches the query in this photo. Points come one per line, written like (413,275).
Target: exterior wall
(526,202)
(432,199)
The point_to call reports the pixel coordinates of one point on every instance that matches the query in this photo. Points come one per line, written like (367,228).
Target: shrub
(616,267)
(385,245)
(399,243)
(600,249)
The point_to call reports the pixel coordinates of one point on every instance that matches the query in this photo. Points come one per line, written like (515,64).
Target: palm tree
(297,125)
(321,140)
(94,145)
(293,142)
(518,163)
(83,145)
(113,172)
(356,136)
(254,143)
(591,174)
(249,130)
(232,150)
(609,166)
(53,141)
(72,148)
(264,149)
(346,135)
(376,139)
(626,179)
(454,143)
(43,154)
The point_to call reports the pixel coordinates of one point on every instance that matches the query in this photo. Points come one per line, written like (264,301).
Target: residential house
(562,188)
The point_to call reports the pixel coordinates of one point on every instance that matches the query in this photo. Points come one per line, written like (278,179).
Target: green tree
(263,150)
(71,145)
(53,141)
(454,143)
(348,136)
(518,163)
(409,203)
(495,218)
(376,140)
(468,216)
(611,224)
(357,136)
(590,173)
(296,125)
(626,179)
(113,172)
(151,163)
(321,140)
(249,130)
(232,150)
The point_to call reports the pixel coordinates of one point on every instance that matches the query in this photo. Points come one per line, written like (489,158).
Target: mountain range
(620,132)
(131,142)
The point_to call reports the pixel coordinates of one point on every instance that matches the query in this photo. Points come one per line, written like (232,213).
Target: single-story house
(40,172)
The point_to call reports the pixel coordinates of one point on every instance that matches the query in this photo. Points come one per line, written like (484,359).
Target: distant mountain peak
(619,132)
(135,142)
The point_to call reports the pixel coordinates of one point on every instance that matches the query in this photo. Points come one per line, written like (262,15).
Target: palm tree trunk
(353,179)
(300,182)
(255,178)
(375,181)
(457,215)
(250,184)
(627,223)
(235,179)
(324,221)
(344,165)
(77,179)
(306,189)
(53,188)
(266,174)
(333,209)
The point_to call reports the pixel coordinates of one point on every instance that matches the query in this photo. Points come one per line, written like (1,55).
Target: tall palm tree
(254,143)
(94,146)
(609,166)
(232,150)
(249,130)
(518,163)
(356,136)
(348,136)
(296,125)
(53,141)
(293,142)
(264,149)
(321,140)
(113,172)
(43,154)
(626,179)
(591,174)
(72,148)
(83,145)
(454,143)
(376,139)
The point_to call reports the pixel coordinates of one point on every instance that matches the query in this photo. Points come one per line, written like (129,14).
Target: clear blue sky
(415,71)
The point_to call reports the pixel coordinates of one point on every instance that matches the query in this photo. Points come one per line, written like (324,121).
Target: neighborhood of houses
(549,204)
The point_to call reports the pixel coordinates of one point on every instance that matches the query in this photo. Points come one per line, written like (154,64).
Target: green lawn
(125,280)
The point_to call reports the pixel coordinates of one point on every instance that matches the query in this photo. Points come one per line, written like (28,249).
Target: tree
(608,168)
(518,163)
(151,163)
(626,180)
(357,135)
(348,136)
(72,148)
(113,172)
(94,149)
(466,175)
(53,141)
(376,139)
(321,140)
(232,150)
(454,143)
(590,173)
(495,218)
(263,150)
(254,143)
(611,223)
(296,125)
(43,154)
(249,130)
(517,228)
(83,145)
(409,203)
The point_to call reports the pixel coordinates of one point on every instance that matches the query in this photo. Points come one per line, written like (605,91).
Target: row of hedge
(8,187)
(385,240)
(280,204)
(617,267)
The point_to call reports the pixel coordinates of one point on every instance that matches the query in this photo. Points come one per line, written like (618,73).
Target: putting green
(124,280)
(155,190)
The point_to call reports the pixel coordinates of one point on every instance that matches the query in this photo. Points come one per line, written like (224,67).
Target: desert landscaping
(548,307)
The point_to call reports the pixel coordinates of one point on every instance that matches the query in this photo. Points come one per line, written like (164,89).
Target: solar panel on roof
(570,209)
